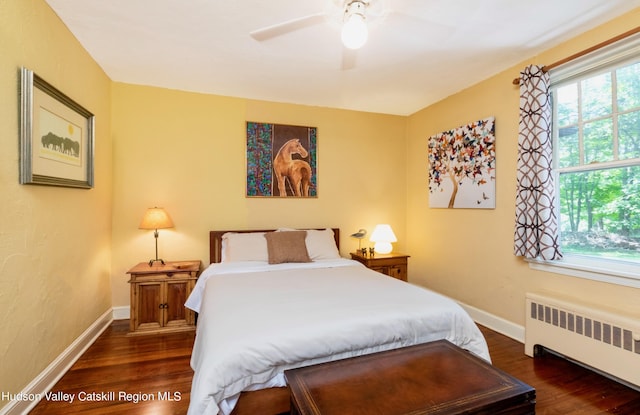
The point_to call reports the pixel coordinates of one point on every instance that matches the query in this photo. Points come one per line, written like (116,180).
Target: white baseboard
(121,313)
(496,323)
(52,373)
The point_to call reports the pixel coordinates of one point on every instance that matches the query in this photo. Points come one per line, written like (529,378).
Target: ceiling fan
(353,16)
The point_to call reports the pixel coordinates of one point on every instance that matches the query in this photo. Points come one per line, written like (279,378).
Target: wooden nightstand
(393,264)
(158,294)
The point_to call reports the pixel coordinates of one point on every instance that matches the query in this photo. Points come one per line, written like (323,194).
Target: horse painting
(281,160)
(295,173)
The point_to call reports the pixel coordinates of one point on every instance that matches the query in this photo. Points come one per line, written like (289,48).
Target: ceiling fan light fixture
(354,30)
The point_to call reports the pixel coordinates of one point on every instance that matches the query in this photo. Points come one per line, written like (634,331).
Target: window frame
(591,268)
(619,272)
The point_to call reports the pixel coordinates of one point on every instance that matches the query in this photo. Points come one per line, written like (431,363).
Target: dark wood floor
(140,366)
(158,366)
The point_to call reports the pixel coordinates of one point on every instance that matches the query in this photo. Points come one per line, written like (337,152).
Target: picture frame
(462,166)
(56,136)
(281,161)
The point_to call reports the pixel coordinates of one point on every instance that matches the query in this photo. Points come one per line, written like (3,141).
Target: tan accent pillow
(321,244)
(287,247)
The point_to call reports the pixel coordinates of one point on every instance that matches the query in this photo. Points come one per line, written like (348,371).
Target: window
(596,131)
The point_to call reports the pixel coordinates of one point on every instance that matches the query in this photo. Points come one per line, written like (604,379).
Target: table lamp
(156,218)
(383,236)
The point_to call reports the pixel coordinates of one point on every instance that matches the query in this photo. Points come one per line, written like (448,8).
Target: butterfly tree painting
(462,166)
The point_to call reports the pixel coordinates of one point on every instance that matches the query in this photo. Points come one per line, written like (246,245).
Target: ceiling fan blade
(348,58)
(287,27)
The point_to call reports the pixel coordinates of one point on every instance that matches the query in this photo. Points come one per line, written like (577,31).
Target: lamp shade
(383,236)
(156,218)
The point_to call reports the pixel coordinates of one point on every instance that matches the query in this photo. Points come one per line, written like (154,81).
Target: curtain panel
(536,224)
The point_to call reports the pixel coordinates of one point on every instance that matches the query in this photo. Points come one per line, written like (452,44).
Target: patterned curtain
(536,233)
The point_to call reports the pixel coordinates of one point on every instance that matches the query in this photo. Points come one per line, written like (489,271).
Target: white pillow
(320,244)
(250,246)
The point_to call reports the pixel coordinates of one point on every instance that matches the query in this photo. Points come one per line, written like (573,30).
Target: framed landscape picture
(56,136)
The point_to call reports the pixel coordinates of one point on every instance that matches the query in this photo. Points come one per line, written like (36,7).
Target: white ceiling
(418,52)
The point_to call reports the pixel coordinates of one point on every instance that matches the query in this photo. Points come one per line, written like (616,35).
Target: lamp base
(151,261)
(383,247)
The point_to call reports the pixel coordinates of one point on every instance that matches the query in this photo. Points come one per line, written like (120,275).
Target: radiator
(602,338)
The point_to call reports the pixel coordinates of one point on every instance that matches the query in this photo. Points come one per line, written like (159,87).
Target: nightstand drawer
(394,264)
(181,275)
(395,271)
(388,262)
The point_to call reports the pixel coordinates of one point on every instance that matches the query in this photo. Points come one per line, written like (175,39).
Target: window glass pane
(600,213)
(596,96)
(628,81)
(568,148)
(598,141)
(629,135)
(596,119)
(567,104)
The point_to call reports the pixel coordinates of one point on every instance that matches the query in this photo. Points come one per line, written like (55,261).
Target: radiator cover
(601,337)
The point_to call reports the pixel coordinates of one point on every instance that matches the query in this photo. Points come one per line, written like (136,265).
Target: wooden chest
(430,378)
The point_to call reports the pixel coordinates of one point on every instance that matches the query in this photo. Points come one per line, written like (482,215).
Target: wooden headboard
(215,241)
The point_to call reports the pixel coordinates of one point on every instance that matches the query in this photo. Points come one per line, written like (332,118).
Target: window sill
(613,272)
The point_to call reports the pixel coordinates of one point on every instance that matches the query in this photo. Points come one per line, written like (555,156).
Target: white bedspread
(258,321)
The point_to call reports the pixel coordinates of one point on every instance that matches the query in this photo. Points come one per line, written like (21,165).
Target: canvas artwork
(462,167)
(281,160)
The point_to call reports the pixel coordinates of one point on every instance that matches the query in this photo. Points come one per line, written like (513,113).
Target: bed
(273,300)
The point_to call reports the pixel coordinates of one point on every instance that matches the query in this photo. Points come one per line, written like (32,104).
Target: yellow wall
(54,242)
(64,252)
(468,253)
(186,152)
